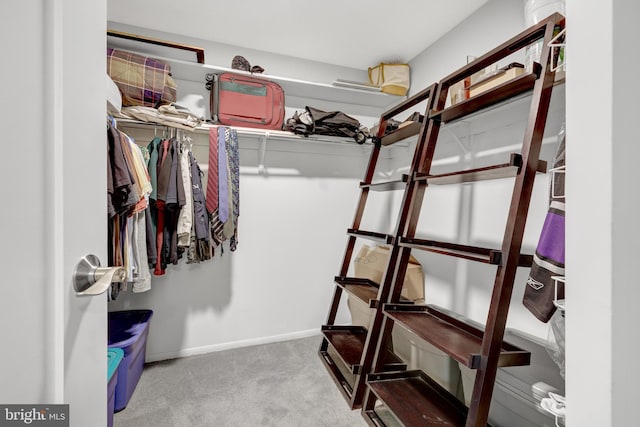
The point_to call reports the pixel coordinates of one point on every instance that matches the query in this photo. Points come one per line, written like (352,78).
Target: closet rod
(262,137)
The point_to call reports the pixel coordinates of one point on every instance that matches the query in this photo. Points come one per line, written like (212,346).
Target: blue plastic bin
(128,331)
(114,356)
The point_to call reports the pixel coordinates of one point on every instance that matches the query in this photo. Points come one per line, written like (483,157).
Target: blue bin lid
(114,356)
(126,326)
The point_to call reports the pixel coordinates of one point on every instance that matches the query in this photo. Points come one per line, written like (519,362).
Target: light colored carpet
(282,384)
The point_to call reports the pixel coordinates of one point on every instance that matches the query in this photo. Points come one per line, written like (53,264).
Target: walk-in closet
(333,214)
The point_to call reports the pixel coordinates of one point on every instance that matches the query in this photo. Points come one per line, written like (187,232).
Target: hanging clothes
(200,247)
(138,265)
(157,204)
(175,200)
(163,168)
(185,220)
(128,190)
(548,260)
(141,273)
(223,186)
(234,178)
(151,212)
(216,224)
(120,190)
(170,200)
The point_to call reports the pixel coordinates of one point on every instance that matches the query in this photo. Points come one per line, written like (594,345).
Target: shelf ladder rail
(353,390)
(488,348)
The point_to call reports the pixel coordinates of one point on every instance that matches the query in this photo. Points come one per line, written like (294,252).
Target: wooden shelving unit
(412,397)
(374,236)
(521,84)
(347,351)
(460,340)
(401,134)
(503,170)
(415,400)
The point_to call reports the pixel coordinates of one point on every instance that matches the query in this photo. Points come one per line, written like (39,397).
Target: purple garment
(551,244)
(548,261)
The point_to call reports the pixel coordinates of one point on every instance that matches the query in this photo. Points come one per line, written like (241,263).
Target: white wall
(494,23)
(602,225)
(220,54)
(278,284)
(54,341)
(79,210)
(476,214)
(25,369)
(601,181)
(490,25)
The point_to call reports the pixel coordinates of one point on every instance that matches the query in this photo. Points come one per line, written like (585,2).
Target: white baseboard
(231,345)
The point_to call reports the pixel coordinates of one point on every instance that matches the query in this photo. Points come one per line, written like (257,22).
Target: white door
(53,191)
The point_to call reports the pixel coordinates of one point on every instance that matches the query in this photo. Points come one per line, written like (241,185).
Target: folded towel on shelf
(169,115)
(114,97)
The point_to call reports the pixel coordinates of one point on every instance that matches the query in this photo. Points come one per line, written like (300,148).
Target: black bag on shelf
(334,123)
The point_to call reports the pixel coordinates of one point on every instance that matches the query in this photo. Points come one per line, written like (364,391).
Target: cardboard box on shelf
(417,353)
(370,263)
(491,81)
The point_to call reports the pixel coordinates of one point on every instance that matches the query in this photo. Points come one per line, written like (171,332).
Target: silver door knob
(91,279)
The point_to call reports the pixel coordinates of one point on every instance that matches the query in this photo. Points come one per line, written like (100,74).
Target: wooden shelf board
(416,400)
(338,378)
(460,340)
(412,101)
(348,341)
(504,170)
(372,235)
(503,92)
(364,289)
(398,184)
(473,253)
(401,133)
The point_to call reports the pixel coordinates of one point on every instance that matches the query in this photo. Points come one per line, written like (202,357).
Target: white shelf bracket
(465,148)
(555,194)
(559,303)
(559,43)
(262,149)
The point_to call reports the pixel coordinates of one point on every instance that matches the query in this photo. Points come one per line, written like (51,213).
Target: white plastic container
(415,352)
(534,12)
(419,354)
(519,389)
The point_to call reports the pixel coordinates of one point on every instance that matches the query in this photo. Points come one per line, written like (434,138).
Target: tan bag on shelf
(391,78)
(415,352)
(371,262)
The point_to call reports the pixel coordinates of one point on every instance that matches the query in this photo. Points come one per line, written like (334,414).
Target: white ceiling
(353,33)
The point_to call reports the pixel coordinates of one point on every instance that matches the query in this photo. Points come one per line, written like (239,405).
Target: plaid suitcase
(245,101)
